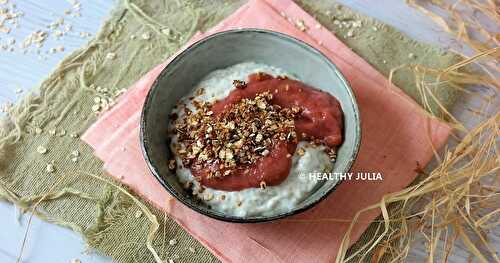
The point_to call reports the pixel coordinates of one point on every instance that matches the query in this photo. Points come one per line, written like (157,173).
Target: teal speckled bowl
(221,51)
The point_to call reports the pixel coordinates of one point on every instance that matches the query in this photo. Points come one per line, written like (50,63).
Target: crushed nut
(263,185)
(332,154)
(111,56)
(239,84)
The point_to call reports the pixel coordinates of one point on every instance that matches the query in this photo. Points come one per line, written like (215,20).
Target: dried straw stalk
(459,200)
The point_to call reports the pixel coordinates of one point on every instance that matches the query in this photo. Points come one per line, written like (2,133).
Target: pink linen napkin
(396,135)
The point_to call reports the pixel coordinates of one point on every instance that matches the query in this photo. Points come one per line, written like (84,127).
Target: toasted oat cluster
(237,136)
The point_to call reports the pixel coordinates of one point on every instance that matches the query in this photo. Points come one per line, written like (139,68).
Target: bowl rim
(228,218)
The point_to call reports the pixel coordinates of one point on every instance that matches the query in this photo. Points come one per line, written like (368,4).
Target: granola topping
(235,137)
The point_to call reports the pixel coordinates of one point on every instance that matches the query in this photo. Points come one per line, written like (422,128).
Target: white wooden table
(20,72)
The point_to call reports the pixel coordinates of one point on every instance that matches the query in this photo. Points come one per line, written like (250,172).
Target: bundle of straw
(458,201)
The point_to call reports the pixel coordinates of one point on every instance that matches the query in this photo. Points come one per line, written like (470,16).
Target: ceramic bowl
(226,49)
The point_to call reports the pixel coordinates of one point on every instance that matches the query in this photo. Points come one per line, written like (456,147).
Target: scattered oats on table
(146,36)
(50,168)
(165,31)
(299,23)
(172,242)
(138,213)
(111,55)
(62,133)
(350,33)
(41,149)
(96,108)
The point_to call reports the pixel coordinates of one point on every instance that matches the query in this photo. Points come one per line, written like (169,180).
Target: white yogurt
(254,201)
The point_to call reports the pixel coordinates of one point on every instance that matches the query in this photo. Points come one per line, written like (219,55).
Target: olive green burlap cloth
(61,108)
